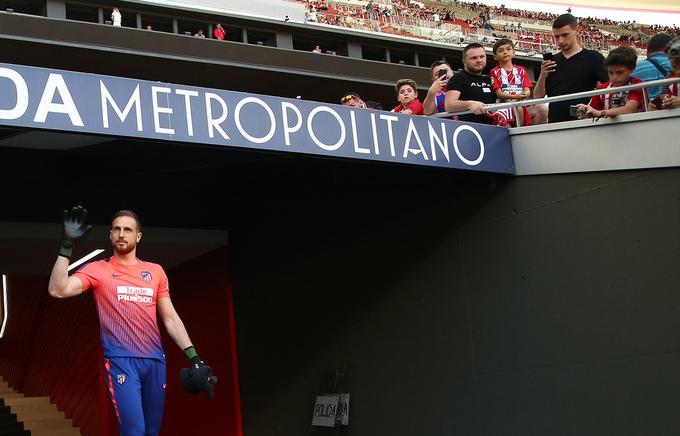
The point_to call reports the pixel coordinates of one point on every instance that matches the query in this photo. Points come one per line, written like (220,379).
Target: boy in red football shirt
(620,65)
(407,94)
(510,82)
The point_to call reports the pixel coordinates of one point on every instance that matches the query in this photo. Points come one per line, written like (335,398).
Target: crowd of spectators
(523,26)
(572,70)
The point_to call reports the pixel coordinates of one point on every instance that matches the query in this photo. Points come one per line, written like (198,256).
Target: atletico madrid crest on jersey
(146,275)
(120,378)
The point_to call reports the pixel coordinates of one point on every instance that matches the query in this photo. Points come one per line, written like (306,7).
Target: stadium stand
(463,22)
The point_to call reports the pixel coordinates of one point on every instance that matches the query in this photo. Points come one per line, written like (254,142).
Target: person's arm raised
(61,285)
(430,102)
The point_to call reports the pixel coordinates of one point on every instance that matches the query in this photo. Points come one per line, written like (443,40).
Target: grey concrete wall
(544,305)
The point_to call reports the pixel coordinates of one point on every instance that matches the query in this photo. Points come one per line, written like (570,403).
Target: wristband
(191,353)
(66,252)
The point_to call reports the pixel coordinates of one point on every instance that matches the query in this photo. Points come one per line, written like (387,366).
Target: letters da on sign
(325,410)
(342,417)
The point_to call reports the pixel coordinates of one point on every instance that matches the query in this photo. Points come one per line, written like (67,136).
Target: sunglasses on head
(346,98)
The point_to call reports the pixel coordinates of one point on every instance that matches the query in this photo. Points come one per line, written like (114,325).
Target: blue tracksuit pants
(136,387)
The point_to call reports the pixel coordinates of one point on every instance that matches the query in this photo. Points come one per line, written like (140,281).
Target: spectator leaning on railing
(620,64)
(510,82)
(469,89)
(656,66)
(441,74)
(354,100)
(574,69)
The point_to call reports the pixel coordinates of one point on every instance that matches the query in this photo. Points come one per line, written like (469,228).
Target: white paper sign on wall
(325,410)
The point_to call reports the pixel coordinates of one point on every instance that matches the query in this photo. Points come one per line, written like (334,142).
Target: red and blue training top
(126,298)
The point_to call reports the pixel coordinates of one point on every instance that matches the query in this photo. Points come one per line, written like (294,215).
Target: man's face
(565,37)
(435,71)
(475,60)
(406,95)
(504,53)
(619,74)
(124,234)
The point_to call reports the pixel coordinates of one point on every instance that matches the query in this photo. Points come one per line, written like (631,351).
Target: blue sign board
(88,103)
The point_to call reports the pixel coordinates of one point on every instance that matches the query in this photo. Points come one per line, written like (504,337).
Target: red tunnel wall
(51,348)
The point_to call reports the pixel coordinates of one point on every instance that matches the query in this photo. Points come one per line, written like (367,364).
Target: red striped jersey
(512,82)
(618,99)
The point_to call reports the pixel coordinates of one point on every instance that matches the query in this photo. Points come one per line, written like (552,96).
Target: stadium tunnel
(210,216)
(421,282)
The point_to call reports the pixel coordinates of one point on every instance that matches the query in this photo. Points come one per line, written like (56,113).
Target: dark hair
(435,64)
(470,47)
(501,42)
(131,214)
(565,20)
(403,82)
(624,56)
(658,43)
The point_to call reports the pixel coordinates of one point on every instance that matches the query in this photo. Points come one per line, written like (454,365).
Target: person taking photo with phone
(573,69)
(434,102)
(620,64)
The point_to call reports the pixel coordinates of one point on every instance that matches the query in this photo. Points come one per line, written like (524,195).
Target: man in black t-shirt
(469,89)
(574,69)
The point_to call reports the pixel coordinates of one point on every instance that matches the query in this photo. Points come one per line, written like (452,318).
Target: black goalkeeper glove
(74,229)
(198,377)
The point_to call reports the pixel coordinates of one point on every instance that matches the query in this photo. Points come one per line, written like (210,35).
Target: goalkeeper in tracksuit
(128,293)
